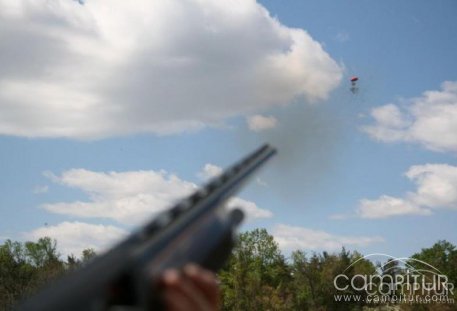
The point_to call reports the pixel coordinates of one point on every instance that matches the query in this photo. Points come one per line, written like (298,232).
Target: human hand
(192,289)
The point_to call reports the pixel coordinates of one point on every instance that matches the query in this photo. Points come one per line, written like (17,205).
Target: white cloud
(103,69)
(127,197)
(74,237)
(298,238)
(210,171)
(387,206)
(259,123)
(130,197)
(436,188)
(436,185)
(430,120)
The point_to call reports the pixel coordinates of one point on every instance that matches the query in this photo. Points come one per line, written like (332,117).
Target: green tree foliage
(314,279)
(442,256)
(25,267)
(256,277)
(16,273)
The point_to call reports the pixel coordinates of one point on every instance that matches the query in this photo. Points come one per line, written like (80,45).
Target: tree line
(257,276)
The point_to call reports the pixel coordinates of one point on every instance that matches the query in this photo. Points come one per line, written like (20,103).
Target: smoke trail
(308,138)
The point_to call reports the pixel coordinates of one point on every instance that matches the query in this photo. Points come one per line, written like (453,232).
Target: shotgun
(198,229)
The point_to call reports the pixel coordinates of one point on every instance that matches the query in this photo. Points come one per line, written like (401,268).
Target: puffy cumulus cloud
(430,120)
(130,197)
(103,69)
(436,185)
(259,123)
(210,171)
(127,197)
(387,206)
(292,238)
(436,188)
(74,237)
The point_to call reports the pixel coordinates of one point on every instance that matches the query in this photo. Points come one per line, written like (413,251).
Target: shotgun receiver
(198,229)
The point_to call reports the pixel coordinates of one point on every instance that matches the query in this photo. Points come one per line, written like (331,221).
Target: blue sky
(107,116)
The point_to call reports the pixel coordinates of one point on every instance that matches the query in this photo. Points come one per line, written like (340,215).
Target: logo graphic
(398,280)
